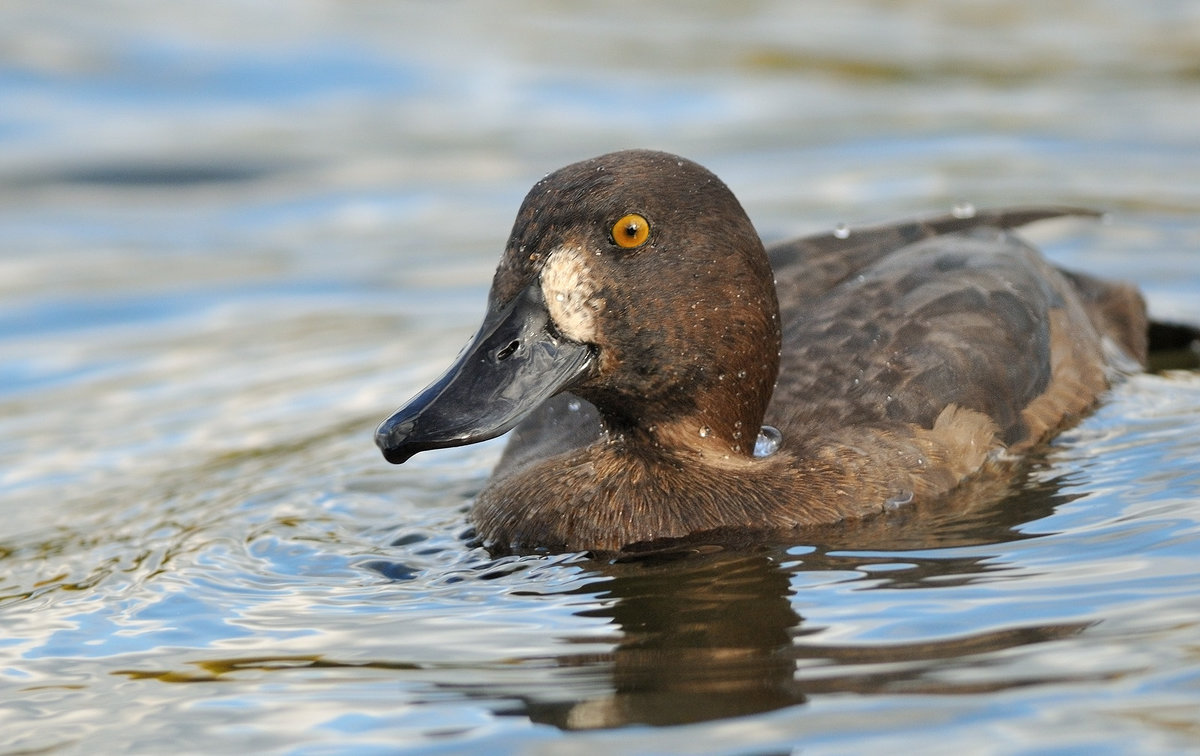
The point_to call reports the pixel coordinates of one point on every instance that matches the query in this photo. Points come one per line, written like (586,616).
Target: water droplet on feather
(767,442)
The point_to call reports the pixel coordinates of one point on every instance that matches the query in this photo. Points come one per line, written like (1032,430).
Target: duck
(667,376)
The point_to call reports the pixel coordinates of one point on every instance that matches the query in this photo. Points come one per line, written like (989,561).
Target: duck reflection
(719,638)
(710,632)
(704,638)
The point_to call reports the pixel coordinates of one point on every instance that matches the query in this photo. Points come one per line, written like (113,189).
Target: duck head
(634,280)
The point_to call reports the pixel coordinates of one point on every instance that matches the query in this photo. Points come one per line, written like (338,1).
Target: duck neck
(715,428)
(717,416)
(702,380)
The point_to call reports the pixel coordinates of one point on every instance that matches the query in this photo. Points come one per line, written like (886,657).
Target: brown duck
(715,385)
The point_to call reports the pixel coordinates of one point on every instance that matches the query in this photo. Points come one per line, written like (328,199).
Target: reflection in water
(703,638)
(706,632)
(716,635)
(718,638)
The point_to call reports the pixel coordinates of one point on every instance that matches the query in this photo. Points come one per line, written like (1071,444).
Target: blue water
(233,239)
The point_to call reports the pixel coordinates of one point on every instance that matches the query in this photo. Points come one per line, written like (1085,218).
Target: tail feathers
(1173,346)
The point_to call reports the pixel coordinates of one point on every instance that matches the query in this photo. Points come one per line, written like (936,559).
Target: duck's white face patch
(570,294)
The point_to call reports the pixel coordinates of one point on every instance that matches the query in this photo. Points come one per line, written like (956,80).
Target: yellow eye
(631,231)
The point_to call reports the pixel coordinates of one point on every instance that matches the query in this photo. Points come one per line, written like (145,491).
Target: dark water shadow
(705,637)
(1173,346)
(152,174)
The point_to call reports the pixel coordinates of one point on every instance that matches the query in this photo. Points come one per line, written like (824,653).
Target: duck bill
(515,363)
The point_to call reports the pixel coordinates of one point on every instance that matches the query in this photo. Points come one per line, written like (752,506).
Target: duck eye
(631,231)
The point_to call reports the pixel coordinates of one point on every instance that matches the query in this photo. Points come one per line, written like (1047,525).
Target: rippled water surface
(232,238)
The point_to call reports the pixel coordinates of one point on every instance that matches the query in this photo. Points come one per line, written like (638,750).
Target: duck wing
(911,319)
(814,264)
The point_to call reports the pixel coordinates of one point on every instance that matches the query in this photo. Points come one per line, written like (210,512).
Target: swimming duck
(667,376)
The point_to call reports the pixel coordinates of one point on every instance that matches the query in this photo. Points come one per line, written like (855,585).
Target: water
(768,441)
(232,241)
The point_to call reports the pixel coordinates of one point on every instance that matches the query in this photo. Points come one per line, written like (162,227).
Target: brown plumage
(896,362)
